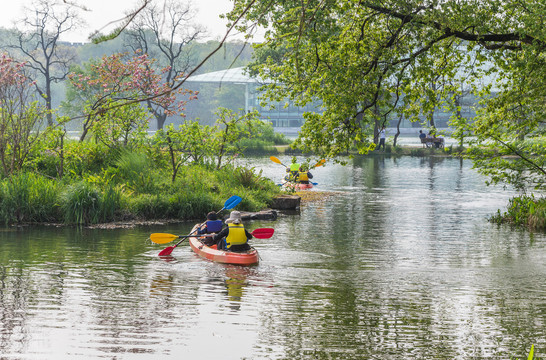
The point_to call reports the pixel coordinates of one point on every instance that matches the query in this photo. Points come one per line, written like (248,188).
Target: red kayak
(226,257)
(298,186)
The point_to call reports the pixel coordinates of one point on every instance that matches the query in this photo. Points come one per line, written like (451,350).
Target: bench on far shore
(429,142)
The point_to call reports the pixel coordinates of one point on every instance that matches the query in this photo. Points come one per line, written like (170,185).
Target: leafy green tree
(232,127)
(189,142)
(406,58)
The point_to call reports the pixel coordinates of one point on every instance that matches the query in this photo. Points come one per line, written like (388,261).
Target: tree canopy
(368,61)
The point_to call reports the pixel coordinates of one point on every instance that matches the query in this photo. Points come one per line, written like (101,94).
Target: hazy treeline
(211,96)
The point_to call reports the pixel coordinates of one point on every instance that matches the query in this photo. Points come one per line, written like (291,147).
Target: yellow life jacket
(302,176)
(236,235)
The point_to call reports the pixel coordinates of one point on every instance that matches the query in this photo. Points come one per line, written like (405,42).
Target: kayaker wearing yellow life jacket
(293,172)
(235,237)
(303,176)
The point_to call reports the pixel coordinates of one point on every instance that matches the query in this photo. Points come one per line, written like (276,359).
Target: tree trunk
(60,168)
(397,131)
(173,161)
(161,121)
(49,115)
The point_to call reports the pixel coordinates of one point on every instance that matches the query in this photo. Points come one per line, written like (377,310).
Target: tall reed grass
(82,203)
(28,197)
(115,193)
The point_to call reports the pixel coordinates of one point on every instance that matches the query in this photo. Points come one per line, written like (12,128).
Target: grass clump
(524,211)
(28,197)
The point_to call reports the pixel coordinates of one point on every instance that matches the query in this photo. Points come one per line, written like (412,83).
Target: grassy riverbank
(105,185)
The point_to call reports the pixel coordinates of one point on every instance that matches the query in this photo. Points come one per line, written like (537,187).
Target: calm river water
(398,262)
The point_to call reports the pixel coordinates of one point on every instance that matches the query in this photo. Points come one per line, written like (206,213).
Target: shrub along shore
(103,185)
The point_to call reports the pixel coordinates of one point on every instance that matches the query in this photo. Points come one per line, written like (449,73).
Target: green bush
(524,211)
(80,203)
(136,170)
(28,197)
(182,205)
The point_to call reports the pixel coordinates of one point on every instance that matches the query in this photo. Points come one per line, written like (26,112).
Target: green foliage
(248,178)
(264,131)
(524,211)
(189,142)
(183,204)
(263,140)
(81,204)
(124,125)
(27,197)
(86,157)
(21,117)
(135,170)
(521,164)
(368,61)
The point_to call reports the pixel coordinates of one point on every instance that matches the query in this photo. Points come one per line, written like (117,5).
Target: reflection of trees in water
(347,307)
(15,291)
(88,282)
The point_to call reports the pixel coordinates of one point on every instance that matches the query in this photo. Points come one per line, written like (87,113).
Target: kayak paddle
(276,160)
(320,163)
(162,238)
(261,233)
(229,204)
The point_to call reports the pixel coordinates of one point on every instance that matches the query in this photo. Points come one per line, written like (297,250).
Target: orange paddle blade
(320,163)
(274,159)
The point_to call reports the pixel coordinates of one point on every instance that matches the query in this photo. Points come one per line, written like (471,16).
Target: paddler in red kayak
(303,175)
(211,226)
(234,237)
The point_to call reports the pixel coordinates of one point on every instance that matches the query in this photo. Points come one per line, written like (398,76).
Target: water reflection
(398,262)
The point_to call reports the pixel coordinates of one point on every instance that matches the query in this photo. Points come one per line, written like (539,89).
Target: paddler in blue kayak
(234,237)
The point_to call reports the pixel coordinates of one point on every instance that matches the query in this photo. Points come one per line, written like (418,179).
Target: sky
(103,12)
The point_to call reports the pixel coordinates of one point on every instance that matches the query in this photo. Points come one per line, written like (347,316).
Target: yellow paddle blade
(274,159)
(161,238)
(320,163)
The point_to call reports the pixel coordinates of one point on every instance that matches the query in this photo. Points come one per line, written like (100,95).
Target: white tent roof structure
(236,76)
(233,76)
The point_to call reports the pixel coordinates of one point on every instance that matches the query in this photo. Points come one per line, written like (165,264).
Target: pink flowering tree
(111,91)
(21,116)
